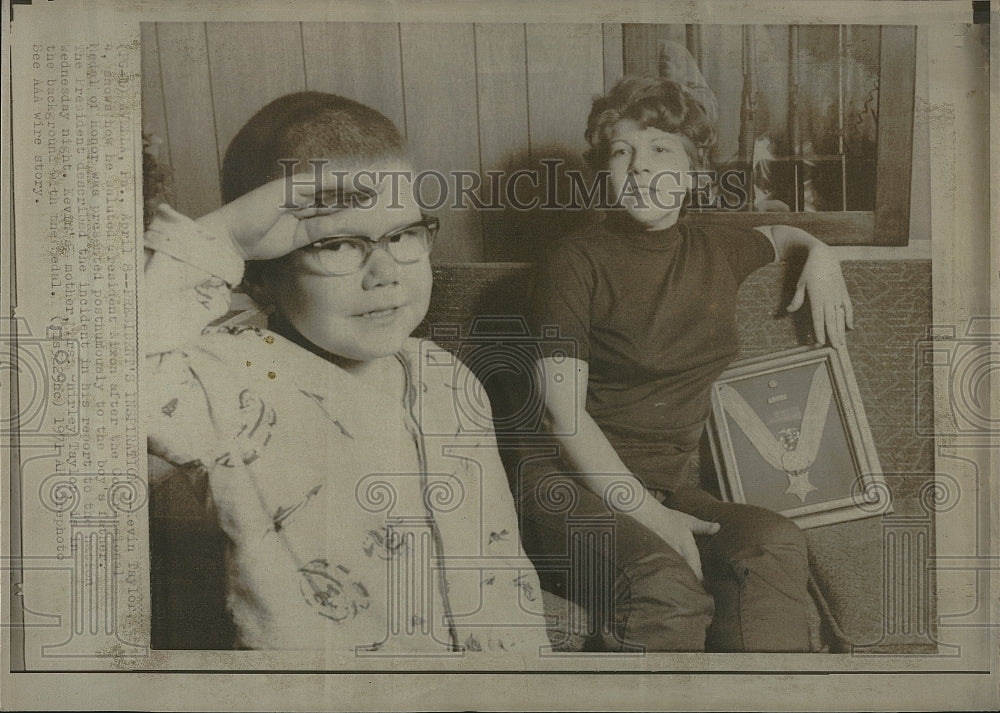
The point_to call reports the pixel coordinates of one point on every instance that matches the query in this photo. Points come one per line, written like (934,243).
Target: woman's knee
(751,530)
(759,578)
(659,605)
(777,530)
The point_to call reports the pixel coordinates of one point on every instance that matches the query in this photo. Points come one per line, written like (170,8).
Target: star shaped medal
(793,450)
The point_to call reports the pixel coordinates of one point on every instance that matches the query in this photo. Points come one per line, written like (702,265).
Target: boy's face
(367,314)
(650,172)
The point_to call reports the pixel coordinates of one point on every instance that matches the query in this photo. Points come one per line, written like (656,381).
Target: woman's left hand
(823,282)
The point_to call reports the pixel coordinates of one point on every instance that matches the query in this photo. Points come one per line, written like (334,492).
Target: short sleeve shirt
(653,313)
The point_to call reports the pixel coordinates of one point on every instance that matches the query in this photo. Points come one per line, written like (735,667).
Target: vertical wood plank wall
(470,97)
(476,98)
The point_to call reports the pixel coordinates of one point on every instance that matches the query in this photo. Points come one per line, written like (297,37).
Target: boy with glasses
(336,471)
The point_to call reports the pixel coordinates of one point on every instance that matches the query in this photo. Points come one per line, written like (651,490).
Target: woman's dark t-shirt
(653,313)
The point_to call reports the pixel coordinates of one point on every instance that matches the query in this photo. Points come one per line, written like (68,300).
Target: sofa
(866,599)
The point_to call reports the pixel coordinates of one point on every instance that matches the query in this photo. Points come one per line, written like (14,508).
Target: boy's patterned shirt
(358,522)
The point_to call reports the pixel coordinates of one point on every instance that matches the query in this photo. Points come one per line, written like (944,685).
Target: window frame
(889,224)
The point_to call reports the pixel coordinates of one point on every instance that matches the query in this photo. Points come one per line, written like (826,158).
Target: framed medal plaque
(789,433)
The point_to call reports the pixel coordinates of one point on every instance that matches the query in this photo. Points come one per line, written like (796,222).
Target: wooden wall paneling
(503,130)
(251,63)
(439,90)
(897,81)
(614,57)
(356,60)
(154,110)
(190,122)
(502,87)
(565,73)
(641,45)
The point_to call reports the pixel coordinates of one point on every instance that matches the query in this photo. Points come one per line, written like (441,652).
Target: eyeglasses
(346,254)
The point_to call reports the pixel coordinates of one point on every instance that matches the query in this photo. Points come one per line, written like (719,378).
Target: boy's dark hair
(302,126)
(651,102)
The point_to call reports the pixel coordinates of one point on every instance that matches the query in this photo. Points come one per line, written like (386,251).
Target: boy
(313,442)
(650,302)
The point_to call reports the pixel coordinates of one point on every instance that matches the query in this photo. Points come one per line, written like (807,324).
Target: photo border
(959,239)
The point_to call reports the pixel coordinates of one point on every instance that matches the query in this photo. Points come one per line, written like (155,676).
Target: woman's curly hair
(651,102)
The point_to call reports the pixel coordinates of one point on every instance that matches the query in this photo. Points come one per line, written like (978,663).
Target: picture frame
(788,432)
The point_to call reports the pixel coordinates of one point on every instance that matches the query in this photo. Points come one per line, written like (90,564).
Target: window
(814,121)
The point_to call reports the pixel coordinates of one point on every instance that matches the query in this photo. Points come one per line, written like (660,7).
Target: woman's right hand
(562,382)
(263,224)
(678,529)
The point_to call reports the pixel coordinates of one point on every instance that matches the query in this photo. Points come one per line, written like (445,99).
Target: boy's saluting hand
(264,223)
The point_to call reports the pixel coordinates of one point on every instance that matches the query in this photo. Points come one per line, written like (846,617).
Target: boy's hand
(262,224)
(678,529)
(823,281)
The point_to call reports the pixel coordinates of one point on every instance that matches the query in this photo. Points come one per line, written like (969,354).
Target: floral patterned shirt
(359,522)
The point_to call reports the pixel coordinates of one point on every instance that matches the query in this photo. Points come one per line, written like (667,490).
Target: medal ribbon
(810,432)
